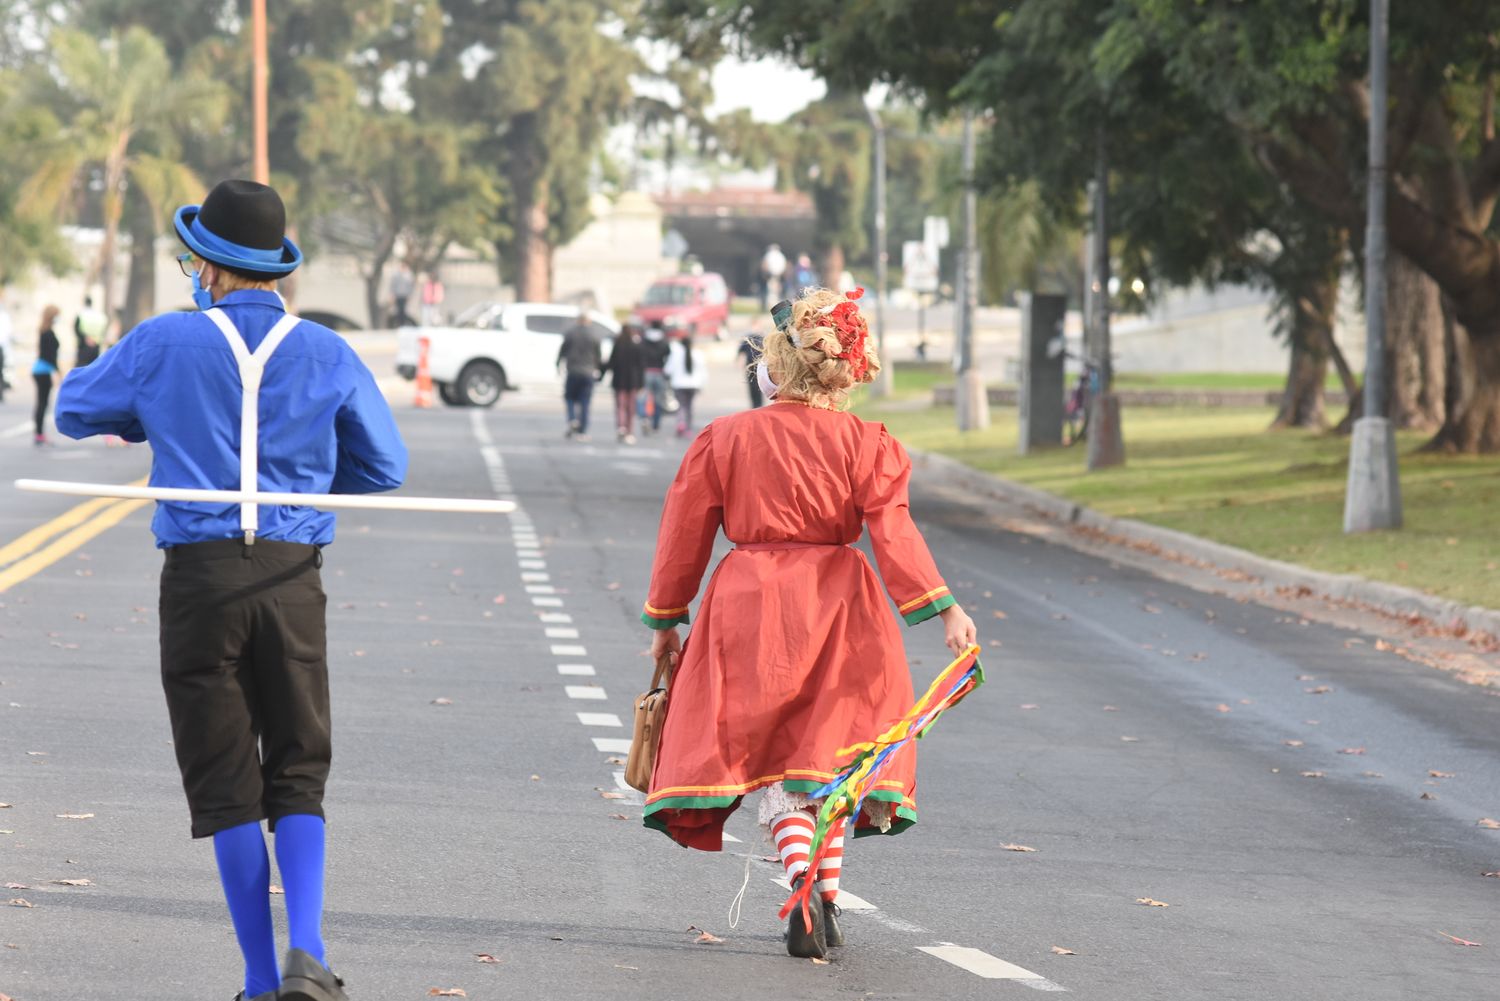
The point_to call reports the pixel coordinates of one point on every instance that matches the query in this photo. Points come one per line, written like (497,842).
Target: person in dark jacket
(583,361)
(627,370)
(44,369)
(751,348)
(654,352)
(89,328)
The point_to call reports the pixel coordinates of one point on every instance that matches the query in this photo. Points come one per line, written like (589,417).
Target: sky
(770,88)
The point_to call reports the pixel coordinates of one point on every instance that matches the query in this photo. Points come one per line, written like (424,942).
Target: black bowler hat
(241,225)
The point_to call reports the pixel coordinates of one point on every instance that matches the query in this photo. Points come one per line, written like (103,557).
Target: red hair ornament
(846,321)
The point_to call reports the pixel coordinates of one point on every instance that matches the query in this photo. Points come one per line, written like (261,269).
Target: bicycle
(1076,410)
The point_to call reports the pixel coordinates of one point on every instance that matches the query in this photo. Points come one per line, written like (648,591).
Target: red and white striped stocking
(793,833)
(832,863)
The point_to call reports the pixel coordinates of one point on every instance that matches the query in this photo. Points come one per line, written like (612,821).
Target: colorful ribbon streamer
(845,795)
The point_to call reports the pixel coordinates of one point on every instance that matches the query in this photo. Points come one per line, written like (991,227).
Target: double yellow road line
(46,544)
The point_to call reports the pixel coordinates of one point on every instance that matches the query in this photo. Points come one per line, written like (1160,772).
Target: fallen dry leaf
(442,702)
(1223,708)
(1456,940)
(450,992)
(17,886)
(705,938)
(276,889)
(1030,705)
(622,966)
(1351,750)
(1152,609)
(1130,740)
(4,806)
(1063,952)
(1293,743)
(621,816)
(1442,775)
(1492,875)
(1000,615)
(613,585)
(1018,848)
(1427,795)
(1319,690)
(1489,823)
(19,902)
(1311,775)
(75,816)
(1150,903)
(1383,646)
(74,882)
(1110,709)
(611,795)
(1372,775)
(485,957)
(1306,677)
(614,761)
(818,962)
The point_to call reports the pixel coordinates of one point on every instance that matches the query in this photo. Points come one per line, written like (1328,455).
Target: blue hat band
(240,255)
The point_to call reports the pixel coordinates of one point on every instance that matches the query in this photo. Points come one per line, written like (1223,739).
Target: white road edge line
(982,964)
(599,719)
(846,900)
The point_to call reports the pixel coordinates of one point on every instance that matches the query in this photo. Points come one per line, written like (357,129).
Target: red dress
(795,653)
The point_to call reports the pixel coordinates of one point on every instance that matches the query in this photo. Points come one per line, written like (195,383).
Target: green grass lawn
(1218,473)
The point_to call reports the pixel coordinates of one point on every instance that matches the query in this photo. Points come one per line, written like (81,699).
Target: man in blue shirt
(245,395)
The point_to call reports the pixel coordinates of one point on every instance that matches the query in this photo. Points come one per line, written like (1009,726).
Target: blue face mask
(202,297)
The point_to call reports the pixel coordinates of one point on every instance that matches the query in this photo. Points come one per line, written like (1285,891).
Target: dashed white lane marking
(541,602)
(585,692)
(620,782)
(532,577)
(560,617)
(732,839)
(533,564)
(576,670)
(561,633)
(982,964)
(611,745)
(530,554)
(601,719)
(540,589)
(569,650)
(845,899)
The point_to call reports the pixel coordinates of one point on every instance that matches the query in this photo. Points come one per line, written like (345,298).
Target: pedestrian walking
(772,267)
(246,394)
(686,374)
(7,333)
(654,351)
(794,654)
(433,295)
(627,377)
(582,360)
(43,369)
(750,351)
(401,286)
(89,329)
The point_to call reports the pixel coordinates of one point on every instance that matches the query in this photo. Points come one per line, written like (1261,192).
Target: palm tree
(124,108)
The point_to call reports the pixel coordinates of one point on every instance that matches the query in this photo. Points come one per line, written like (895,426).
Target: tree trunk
(1302,402)
(1415,346)
(532,254)
(833,266)
(1473,420)
(140,291)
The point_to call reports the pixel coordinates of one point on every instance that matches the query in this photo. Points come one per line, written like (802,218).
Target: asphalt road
(1149,740)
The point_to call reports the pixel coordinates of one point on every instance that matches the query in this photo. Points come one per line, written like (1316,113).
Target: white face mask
(763,377)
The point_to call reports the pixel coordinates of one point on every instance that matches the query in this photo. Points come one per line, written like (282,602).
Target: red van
(699,303)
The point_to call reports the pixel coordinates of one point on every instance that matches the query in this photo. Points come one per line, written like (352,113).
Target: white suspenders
(251,366)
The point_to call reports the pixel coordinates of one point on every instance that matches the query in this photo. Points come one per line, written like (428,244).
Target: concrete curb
(1402,602)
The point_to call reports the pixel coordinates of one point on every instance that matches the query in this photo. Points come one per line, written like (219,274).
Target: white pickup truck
(495,347)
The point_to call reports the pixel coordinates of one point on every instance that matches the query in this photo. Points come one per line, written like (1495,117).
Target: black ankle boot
(832,933)
(802,941)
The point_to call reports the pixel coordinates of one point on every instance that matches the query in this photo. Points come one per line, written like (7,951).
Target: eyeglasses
(185,264)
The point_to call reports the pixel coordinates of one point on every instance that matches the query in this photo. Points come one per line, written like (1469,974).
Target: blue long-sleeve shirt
(172,381)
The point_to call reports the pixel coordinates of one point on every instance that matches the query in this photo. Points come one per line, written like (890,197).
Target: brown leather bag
(650,716)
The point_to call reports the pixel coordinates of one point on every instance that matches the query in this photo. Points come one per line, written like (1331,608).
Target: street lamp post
(884,380)
(260,77)
(1373,499)
(970,392)
(1106,445)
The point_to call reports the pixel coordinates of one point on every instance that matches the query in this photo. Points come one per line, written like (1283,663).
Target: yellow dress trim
(937,592)
(663,613)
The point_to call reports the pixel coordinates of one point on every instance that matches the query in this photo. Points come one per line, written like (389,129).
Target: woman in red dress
(795,653)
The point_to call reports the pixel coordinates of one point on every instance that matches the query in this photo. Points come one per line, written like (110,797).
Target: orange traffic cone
(424,377)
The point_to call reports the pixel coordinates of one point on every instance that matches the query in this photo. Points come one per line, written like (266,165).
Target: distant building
(728,229)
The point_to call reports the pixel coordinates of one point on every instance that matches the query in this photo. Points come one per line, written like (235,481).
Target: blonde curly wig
(807,369)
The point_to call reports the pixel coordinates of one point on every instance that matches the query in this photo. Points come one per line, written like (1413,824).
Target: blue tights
(245,871)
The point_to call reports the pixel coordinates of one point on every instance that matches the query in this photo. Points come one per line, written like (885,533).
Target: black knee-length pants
(244,665)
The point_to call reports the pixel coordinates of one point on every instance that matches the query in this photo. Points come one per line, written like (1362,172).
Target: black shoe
(832,933)
(303,978)
(802,941)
